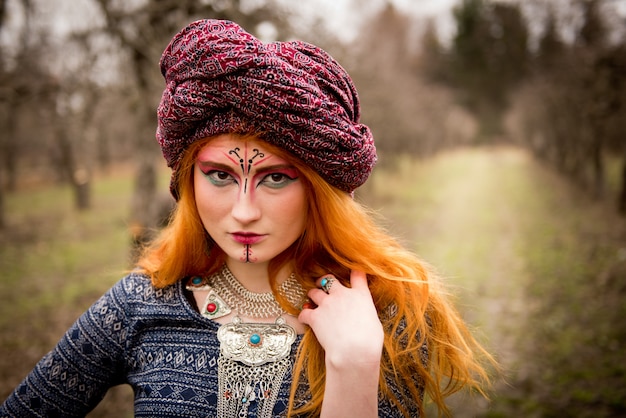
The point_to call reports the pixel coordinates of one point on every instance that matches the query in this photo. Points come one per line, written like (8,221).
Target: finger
(358,279)
(320,282)
(305,316)
(326,282)
(316,295)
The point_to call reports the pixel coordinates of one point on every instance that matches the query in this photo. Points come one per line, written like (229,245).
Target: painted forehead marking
(246,158)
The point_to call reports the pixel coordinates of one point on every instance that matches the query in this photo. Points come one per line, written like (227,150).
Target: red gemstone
(211,307)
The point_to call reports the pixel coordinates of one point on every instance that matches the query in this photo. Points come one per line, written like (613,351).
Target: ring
(326,283)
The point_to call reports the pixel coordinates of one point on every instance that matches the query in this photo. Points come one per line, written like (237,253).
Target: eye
(277,180)
(220,178)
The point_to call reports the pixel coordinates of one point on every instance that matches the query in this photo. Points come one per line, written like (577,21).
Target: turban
(219,77)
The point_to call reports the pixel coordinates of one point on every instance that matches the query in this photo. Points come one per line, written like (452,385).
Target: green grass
(55,262)
(614,165)
(573,251)
(63,252)
(527,255)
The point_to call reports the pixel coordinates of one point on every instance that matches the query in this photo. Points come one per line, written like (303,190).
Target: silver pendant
(214,306)
(255,344)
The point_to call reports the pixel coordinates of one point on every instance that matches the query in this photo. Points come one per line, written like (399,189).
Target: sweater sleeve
(89,359)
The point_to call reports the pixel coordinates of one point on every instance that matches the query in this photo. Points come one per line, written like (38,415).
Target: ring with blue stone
(326,283)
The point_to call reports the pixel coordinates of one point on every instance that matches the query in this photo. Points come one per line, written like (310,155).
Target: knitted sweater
(152,339)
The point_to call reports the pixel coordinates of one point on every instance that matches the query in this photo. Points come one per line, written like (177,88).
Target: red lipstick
(247,238)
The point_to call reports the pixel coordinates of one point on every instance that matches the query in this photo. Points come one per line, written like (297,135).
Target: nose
(245,210)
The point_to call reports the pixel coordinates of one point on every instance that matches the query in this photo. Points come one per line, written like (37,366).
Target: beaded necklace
(254,357)
(226,294)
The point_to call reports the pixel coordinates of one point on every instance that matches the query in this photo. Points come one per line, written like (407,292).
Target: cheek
(297,209)
(210,205)
(207,203)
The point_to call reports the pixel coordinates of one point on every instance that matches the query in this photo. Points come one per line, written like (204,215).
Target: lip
(247,238)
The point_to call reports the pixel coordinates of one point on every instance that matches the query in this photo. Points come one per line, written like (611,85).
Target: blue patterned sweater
(151,339)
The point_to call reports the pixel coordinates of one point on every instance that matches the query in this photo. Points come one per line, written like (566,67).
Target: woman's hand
(345,321)
(346,324)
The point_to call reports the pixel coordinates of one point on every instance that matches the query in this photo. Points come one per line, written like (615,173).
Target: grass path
(461,216)
(493,221)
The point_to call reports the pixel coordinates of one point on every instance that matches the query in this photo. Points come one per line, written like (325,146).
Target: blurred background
(500,127)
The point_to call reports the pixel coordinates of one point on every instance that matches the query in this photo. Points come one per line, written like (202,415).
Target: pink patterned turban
(219,77)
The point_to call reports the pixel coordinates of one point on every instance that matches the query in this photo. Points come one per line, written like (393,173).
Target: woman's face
(251,202)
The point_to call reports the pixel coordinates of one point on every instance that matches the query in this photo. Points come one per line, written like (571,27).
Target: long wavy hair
(427,345)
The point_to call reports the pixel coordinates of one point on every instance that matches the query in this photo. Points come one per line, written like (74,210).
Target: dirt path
(465,216)
(477,245)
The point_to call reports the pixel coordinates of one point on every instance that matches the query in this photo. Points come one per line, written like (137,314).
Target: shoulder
(137,287)
(134,297)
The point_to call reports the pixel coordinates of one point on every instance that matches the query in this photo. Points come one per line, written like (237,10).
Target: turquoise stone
(324,282)
(196,280)
(255,339)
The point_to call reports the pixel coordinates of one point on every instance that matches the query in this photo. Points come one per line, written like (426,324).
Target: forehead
(226,144)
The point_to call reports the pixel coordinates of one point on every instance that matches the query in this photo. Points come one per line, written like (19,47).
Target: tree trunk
(2,210)
(144,214)
(3,139)
(7,119)
(9,144)
(103,153)
(77,177)
(621,204)
(81,185)
(143,221)
(597,165)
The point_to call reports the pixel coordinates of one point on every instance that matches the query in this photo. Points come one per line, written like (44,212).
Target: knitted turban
(219,77)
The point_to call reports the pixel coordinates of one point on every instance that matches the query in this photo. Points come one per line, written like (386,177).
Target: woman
(271,292)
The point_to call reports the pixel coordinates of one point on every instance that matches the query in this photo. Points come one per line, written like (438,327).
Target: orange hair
(341,236)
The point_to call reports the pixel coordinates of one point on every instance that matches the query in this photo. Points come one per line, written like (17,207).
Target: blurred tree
(49,109)
(25,86)
(573,104)
(551,47)
(593,32)
(382,55)
(406,113)
(3,111)
(488,58)
(72,137)
(611,111)
(75,97)
(432,63)
(596,88)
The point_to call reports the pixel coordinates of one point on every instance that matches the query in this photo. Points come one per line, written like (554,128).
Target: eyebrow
(219,166)
(228,168)
(275,167)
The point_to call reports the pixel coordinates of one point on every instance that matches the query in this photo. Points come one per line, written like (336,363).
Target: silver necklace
(227,294)
(254,357)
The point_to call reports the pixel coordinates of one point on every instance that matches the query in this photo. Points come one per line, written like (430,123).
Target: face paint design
(248,198)
(245,169)
(247,254)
